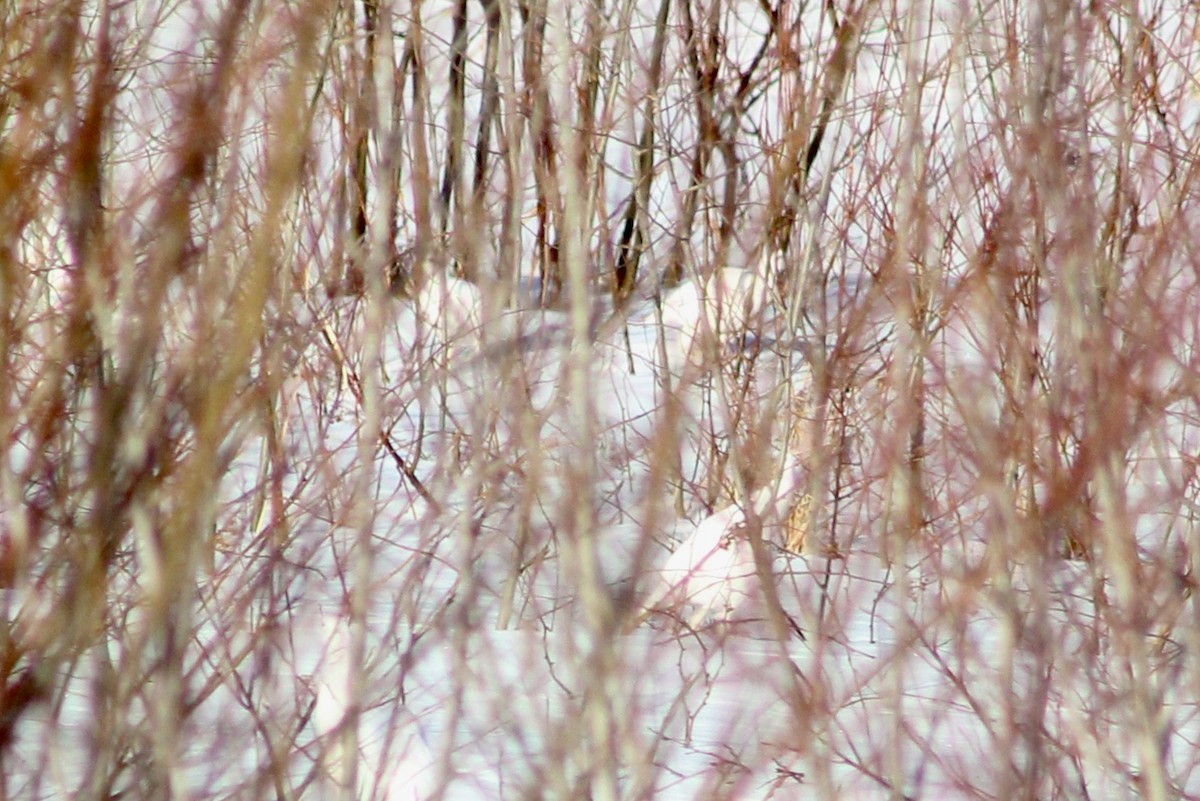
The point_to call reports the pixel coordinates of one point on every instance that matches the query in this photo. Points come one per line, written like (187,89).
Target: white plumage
(713,571)
(410,772)
(450,305)
(732,303)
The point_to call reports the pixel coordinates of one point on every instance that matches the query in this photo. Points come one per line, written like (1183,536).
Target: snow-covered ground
(955,669)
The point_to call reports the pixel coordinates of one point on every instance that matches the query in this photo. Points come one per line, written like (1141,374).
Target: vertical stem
(633,233)
(456,115)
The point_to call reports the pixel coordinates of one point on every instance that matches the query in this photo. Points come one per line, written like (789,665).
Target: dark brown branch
(490,98)
(545,171)
(633,234)
(451,176)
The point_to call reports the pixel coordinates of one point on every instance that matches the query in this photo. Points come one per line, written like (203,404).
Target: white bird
(713,571)
(450,305)
(731,304)
(411,769)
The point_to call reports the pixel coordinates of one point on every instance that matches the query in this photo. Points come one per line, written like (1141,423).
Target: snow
(911,663)
(479,654)
(405,768)
(904,663)
(935,670)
